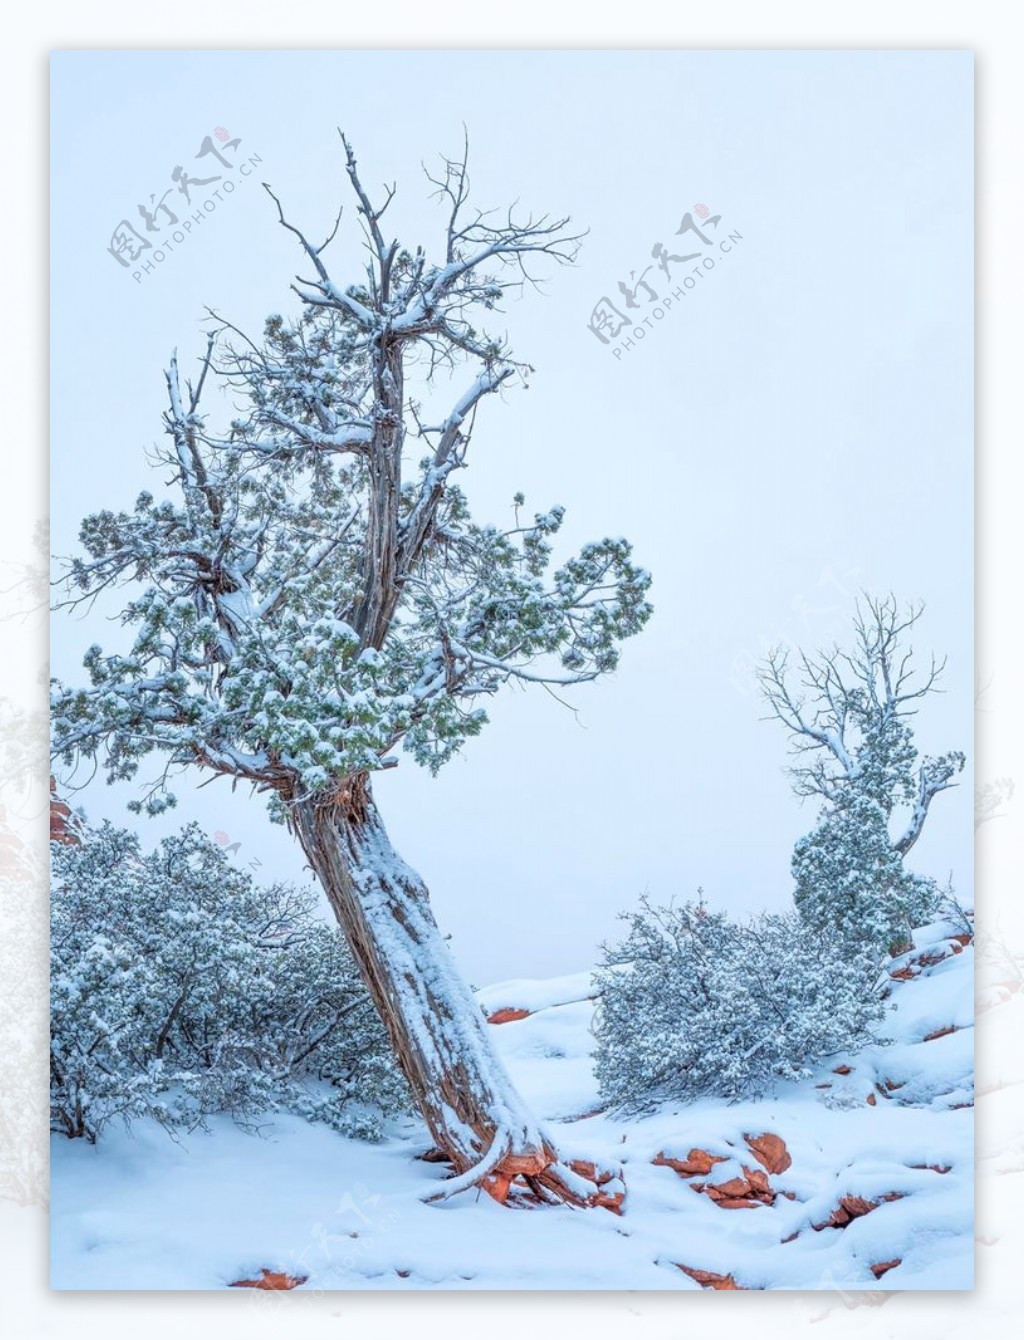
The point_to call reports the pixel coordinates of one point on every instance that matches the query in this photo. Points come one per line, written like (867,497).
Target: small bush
(694,1004)
(180,987)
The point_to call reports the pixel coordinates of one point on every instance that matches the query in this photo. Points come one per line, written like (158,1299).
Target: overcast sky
(796,428)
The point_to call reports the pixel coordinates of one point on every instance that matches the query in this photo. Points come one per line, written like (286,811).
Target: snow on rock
(532,994)
(837,1191)
(507,1016)
(271,1279)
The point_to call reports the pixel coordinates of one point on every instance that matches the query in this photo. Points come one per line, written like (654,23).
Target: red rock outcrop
(748,1188)
(61,820)
(698,1163)
(770,1151)
(854,1207)
(611,1190)
(507,1015)
(271,1279)
(707,1279)
(881,1267)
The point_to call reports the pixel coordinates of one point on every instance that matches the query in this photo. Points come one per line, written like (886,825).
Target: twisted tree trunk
(437,1030)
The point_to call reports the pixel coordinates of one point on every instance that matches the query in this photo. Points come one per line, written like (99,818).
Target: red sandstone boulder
(698,1163)
(770,1151)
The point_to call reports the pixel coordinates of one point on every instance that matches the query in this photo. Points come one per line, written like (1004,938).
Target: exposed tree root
(535,1177)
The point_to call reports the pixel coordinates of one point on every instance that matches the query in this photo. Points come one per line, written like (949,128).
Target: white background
(25,1305)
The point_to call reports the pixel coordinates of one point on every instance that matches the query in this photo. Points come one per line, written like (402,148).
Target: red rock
(610,1189)
(856,1206)
(904,974)
(841,1070)
(872,1100)
(892,1085)
(939,1033)
(881,1267)
(707,1279)
(759,1181)
(770,1151)
(433,1155)
(589,1170)
(609,1200)
(933,1167)
(740,1200)
(698,1163)
(792,1237)
(929,960)
(507,1015)
(735,1186)
(585,1168)
(60,815)
(271,1279)
(963,939)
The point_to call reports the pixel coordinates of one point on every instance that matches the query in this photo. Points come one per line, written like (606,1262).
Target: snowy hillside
(869,1176)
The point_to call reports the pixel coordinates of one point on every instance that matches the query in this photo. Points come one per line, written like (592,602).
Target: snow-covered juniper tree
(849,715)
(307,598)
(692,1004)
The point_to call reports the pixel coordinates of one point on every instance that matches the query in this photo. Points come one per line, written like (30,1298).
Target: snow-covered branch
(848,717)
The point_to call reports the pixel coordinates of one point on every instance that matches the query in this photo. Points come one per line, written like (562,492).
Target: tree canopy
(311,591)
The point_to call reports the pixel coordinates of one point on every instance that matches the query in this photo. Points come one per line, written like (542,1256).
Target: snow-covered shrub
(693,1003)
(181,987)
(851,879)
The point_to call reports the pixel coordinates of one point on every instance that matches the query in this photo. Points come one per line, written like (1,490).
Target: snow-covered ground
(893,1134)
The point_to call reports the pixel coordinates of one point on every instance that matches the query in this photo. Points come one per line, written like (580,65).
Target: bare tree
(849,714)
(307,600)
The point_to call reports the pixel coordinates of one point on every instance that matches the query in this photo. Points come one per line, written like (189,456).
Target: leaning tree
(849,714)
(311,593)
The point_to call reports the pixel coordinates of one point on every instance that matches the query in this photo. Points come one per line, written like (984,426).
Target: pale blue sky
(799,427)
